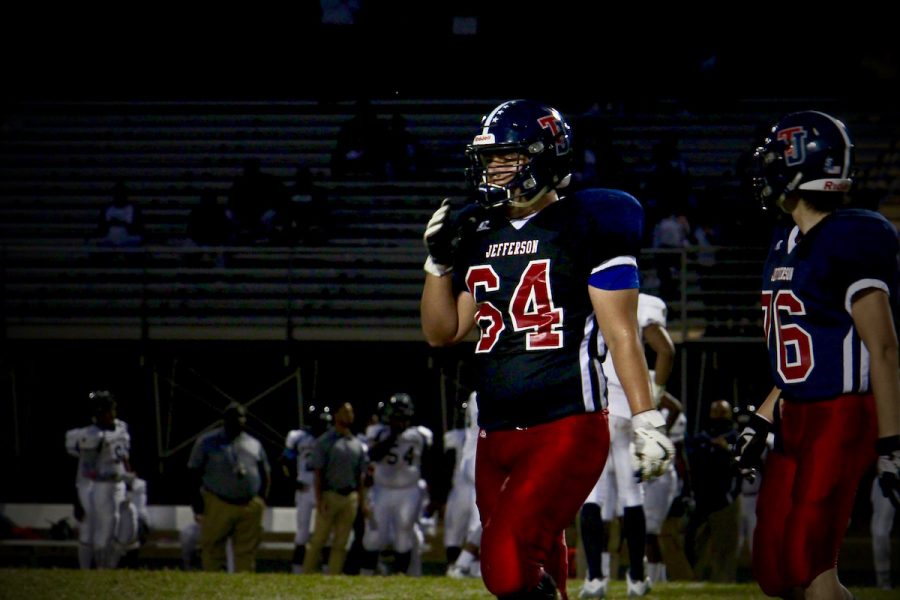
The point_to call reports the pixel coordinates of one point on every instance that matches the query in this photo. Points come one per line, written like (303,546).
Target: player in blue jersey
(552,285)
(829,286)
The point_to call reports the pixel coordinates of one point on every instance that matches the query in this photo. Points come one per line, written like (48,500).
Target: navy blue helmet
(318,418)
(542,138)
(399,405)
(101,401)
(806,150)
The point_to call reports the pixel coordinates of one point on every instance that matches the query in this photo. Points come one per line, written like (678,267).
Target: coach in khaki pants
(234,480)
(340,461)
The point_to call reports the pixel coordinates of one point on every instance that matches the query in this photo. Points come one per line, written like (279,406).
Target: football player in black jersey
(552,285)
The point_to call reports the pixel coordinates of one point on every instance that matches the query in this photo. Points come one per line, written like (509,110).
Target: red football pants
(529,485)
(808,490)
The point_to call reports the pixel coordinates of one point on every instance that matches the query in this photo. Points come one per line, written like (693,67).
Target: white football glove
(653,450)
(438,238)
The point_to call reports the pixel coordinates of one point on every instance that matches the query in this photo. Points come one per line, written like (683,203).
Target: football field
(62,584)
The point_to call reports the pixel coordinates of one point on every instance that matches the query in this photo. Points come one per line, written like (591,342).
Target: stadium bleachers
(58,161)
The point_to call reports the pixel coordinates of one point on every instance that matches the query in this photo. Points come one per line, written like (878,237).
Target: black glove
(439,237)
(751,445)
(889,468)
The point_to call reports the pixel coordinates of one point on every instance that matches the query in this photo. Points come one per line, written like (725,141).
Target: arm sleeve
(872,264)
(614,225)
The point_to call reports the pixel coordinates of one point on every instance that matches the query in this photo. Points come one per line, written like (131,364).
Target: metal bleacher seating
(58,161)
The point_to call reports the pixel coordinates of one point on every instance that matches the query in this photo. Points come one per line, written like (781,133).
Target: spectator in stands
(310,217)
(233,474)
(208,223)
(597,162)
(359,149)
(254,202)
(880,183)
(715,521)
(670,233)
(340,462)
(668,188)
(121,222)
(402,150)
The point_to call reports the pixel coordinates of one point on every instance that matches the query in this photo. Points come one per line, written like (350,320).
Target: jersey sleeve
(427,435)
(613,224)
(453,440)
(73,436)
(868,258)
(290,443)
(651,311)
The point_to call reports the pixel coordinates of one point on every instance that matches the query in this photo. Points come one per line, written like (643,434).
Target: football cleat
(637,588)
(594,588)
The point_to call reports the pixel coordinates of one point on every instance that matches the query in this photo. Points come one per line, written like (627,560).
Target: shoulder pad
(426,434)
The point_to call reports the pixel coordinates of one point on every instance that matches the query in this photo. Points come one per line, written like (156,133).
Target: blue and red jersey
(809,282)
(538,355)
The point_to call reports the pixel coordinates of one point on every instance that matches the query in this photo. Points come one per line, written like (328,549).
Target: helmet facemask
(505,175)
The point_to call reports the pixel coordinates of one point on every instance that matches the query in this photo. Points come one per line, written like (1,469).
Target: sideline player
(397,448)
(102,449)
(617,490)
(298,447)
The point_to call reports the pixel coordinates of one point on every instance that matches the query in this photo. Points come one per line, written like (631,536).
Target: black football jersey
(539,352)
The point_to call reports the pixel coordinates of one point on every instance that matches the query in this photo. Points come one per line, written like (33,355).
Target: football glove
(653,450)
(889,468)
(439,241)
(750,446)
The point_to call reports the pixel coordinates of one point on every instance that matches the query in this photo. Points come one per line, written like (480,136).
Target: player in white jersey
(396,448)
(102,449)
(134,522)
(618,485)
(457,509)
(749,486)
(295,462)
(659,493)
(882,520)
(466,523)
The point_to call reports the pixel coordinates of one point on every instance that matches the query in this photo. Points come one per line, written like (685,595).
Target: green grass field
(62,584)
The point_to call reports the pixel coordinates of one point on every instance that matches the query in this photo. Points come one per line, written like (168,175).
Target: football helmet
(318,419)
(399,406)
(806,150)
(100,402)
(543,140)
